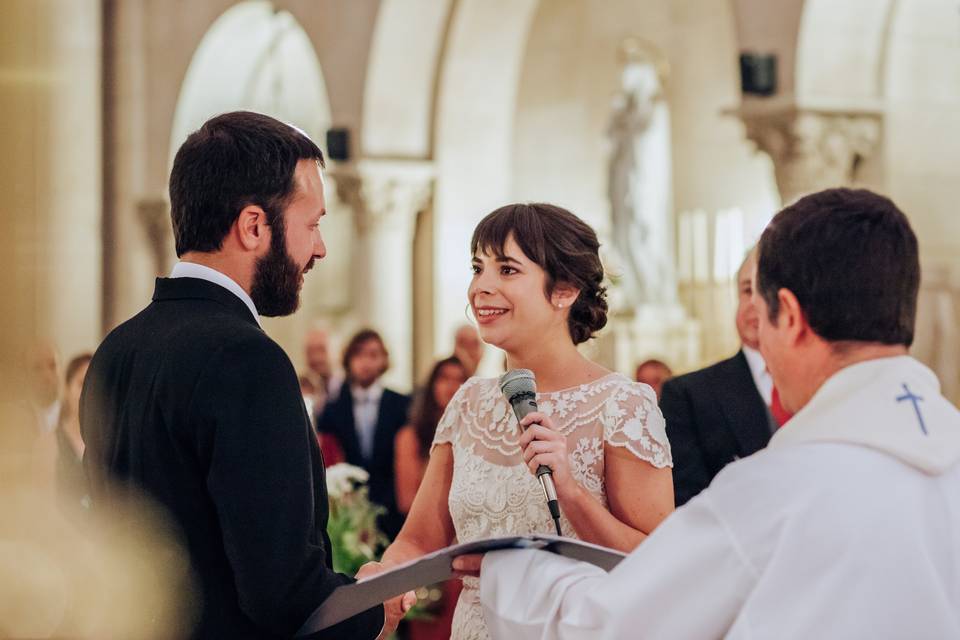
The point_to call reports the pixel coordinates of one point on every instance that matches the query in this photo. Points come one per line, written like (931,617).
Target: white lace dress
(494,494)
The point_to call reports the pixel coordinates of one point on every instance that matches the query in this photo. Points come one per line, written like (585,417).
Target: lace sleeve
(452,417)
(632,419)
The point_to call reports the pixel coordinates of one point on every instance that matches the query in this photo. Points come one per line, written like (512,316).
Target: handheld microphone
(519,387)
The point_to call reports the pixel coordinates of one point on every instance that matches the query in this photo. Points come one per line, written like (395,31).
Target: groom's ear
(252,229)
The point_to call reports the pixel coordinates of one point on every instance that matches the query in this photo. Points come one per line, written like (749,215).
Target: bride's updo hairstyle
(563,245)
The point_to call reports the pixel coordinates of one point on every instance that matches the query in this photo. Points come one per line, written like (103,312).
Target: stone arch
(840,54)
(253,57)
(401,80)
(258,57)
(439,96)
(473,131)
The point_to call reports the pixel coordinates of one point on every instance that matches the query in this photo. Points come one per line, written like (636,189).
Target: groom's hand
(468,565)
(393,609)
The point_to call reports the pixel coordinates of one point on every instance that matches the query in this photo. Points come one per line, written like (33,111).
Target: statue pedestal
(662,331)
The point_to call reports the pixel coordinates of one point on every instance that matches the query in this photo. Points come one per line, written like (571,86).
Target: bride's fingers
(545,459)
(537,447)
(538,432)
(534,417)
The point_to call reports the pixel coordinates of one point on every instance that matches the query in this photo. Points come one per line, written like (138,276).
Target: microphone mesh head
(517,381)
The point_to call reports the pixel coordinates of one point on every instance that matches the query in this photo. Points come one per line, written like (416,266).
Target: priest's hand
(468,565)
(542,445)
(393,609)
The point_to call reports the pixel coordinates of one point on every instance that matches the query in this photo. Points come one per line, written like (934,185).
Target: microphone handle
(521,408)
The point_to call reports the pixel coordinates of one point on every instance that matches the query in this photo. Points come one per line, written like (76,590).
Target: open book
(351,599)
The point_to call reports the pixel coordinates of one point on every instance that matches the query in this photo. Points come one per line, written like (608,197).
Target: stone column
(129,263)
(385,197)
(813,148)
(154,217)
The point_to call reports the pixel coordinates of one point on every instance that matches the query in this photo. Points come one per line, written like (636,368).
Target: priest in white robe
(847,525)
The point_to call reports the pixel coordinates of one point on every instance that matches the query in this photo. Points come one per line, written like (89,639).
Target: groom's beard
(276,279)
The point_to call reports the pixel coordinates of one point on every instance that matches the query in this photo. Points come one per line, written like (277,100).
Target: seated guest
(654,373)
(845,526)
(412,454)
(365,418)
(719,414)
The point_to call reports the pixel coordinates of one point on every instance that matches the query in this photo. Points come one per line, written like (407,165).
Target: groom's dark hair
(851,259)
(234,160)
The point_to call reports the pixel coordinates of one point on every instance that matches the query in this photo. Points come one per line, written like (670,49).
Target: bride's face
(508,298)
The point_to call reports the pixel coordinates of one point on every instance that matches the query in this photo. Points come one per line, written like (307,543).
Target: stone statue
(640,182)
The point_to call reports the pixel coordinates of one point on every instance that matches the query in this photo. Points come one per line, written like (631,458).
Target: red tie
(780,414)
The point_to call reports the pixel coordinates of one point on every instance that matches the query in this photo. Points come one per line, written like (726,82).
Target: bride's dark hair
(563,245)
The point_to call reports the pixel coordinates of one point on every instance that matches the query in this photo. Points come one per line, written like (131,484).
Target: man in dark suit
(721,413)
(365,419)
(193,405)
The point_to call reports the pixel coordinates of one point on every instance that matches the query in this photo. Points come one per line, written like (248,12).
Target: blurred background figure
(413,441)
(412,453)
(365,418)
(43,370)
(316,351)
(654,373)
(721,413)
(41,363)
(468,348)
(71,483)
(329,447)
(309,391)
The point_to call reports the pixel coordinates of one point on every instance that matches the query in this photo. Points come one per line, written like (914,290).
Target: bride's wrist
(569,492)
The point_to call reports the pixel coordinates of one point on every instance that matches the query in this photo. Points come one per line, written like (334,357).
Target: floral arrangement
(354,534)
(352,525)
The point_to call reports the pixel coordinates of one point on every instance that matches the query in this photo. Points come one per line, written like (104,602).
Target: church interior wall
(506,100)
(51,174)
(400,89)
(70,256)
(922,162)
(771,28)
(570,75)
(29,86)
(473,141)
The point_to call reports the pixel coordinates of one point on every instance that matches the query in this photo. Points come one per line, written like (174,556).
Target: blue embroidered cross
(915,399)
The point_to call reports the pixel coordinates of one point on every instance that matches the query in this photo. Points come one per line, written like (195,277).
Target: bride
(536,293)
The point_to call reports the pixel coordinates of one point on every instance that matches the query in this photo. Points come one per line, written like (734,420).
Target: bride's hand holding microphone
(543,445)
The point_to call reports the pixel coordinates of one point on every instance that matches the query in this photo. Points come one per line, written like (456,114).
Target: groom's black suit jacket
(192,404)
(714,416)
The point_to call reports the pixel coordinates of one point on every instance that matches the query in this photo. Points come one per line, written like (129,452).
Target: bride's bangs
(519,220)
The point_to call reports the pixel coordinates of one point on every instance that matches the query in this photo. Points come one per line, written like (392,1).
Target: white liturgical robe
(846,526)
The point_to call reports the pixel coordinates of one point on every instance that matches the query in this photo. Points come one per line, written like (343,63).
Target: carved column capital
(813,148)
(385,196)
